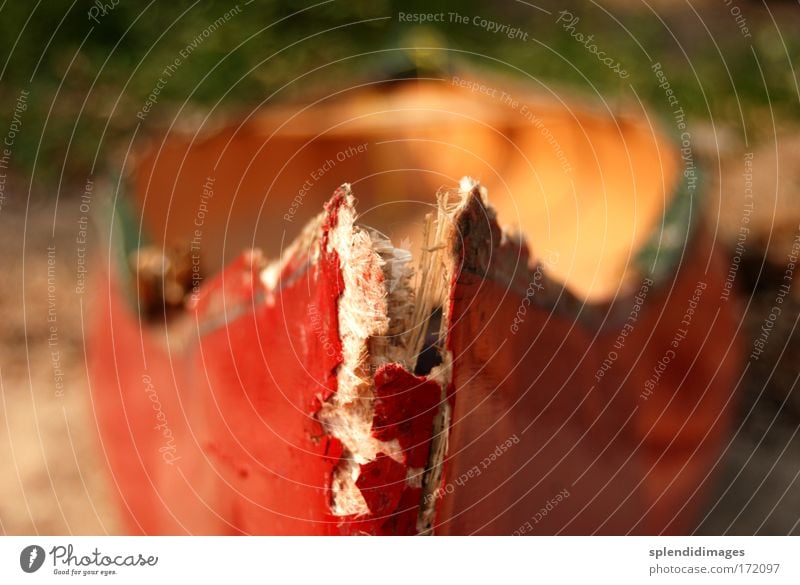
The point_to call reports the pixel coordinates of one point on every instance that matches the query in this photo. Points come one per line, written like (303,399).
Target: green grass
(89,81)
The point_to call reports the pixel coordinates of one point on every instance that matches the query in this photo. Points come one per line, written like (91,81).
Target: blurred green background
(88,78)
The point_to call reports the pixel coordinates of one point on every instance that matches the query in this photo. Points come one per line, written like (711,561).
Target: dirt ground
(51,461)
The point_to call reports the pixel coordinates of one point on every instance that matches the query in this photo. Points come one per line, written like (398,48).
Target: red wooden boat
(574,380)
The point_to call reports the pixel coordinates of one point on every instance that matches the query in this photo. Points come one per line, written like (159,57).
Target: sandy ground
(52,474)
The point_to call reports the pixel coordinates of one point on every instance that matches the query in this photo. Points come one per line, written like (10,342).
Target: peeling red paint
(243,388)
(405,406)
(381,483)
(269,376)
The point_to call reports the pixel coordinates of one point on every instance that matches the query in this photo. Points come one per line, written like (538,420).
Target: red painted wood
(238,382)
(242,392)
(628,464)
(145,400)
